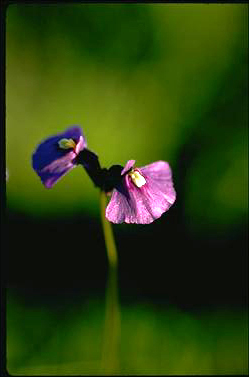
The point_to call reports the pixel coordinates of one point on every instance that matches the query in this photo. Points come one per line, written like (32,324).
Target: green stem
(111,335)
(108,233)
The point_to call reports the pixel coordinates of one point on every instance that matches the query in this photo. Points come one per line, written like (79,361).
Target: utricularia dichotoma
(137,195)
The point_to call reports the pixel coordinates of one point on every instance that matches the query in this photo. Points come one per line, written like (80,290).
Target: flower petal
(51,173)
(51,162)
(160,177)
(128,166)
(143,205)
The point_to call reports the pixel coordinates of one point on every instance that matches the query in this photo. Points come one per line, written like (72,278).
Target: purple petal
(143,205)
(51,162)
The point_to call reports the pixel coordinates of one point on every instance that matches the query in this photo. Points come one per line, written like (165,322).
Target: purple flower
(143,195)
(56,155)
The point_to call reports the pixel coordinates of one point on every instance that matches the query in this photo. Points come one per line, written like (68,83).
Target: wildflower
(138,195)
(57,155)
(142,195)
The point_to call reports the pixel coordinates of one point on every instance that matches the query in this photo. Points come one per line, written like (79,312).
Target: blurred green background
(145,82)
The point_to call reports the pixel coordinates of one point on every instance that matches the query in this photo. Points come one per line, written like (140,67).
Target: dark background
(161,262)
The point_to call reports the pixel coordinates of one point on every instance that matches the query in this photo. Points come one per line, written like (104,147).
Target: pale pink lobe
(80,145)
(128,166)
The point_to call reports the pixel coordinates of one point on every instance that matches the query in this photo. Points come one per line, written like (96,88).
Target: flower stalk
(108,233)
(111,335)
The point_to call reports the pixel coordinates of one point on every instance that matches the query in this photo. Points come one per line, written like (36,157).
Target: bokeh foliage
(154,340)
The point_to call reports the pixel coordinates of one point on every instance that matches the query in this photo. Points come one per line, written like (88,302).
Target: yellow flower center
(66,143)
(137,178)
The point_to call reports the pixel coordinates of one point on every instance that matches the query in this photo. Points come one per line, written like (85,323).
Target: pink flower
(142,195)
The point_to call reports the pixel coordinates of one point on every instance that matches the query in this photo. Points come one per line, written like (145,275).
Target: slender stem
(111,336)
(108,233)
(112,327)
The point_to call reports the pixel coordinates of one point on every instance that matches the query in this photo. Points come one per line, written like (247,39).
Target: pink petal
(128,166)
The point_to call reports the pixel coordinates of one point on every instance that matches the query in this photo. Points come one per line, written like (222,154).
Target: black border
(3,15)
